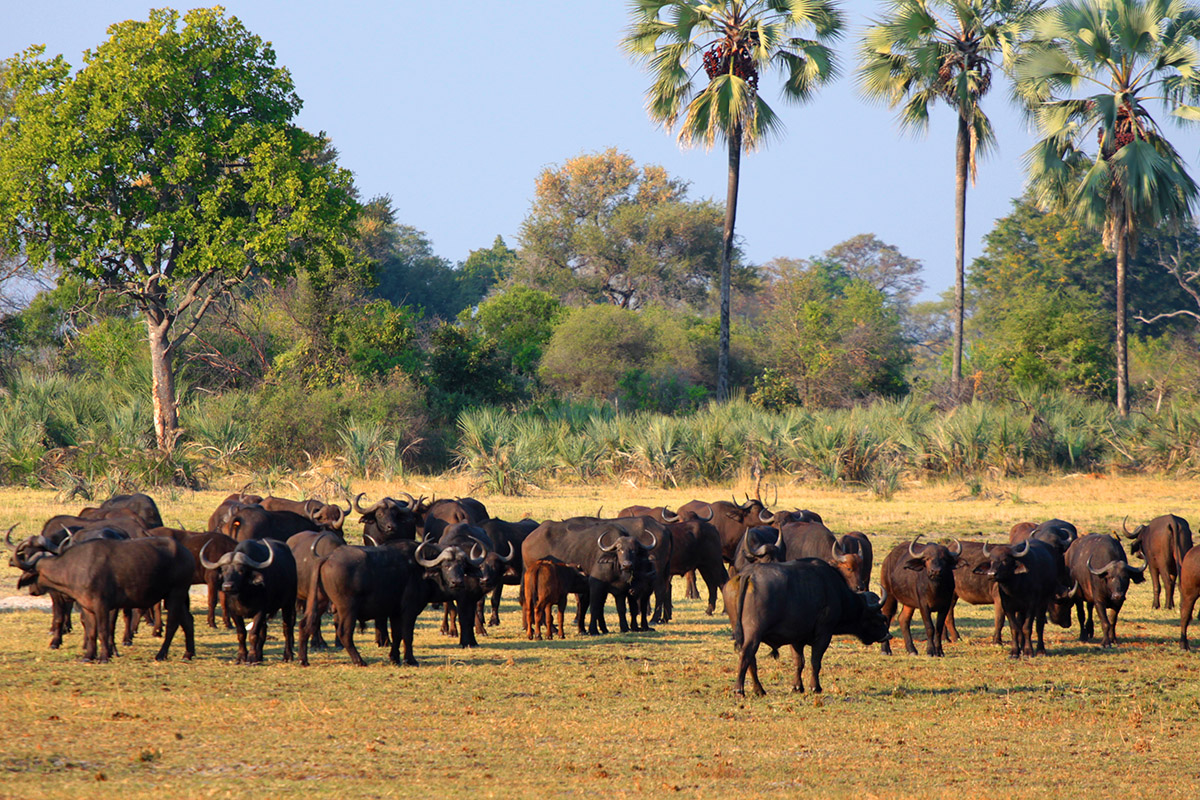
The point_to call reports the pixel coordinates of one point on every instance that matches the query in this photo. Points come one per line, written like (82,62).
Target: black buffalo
(1162,543)
(1101,571)
(259,580)
(919,580)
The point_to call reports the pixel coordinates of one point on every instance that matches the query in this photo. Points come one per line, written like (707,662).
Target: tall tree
(167,169)
(1132,56)
(923,51)
(735,41)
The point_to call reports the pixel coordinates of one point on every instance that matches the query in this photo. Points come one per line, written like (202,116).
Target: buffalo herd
(786,579)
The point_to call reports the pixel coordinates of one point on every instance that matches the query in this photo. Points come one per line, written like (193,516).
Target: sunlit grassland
(632,715)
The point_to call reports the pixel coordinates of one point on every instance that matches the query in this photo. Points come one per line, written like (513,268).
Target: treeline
(588,351)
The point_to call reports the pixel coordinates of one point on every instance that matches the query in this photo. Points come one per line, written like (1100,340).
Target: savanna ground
(625,715)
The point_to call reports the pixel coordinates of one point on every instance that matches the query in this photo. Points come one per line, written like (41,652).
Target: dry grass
(635,715)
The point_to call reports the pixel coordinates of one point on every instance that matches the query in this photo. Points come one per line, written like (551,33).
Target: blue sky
(454,108)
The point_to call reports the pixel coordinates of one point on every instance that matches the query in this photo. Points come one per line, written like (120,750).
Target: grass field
(625,715)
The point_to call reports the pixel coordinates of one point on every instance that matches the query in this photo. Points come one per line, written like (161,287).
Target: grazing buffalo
(106,575)
(796,603)
(919,580)
(1162,543)
(607,552)
(814,540)
(760,545)
(547,583)
(389,520)
(308,548)
(504,535)
(1026,580)
(259,580)
(1189,590)
(1101,571)
(695,545)
(976,588)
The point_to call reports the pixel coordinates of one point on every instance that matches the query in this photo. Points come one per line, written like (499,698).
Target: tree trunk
(1122,350)
(961,165)
(166,418)
(735,160)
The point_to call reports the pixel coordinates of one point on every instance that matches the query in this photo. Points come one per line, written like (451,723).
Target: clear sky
(453,108)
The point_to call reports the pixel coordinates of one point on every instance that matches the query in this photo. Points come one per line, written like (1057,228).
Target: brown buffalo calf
(548,581)
(1189,590)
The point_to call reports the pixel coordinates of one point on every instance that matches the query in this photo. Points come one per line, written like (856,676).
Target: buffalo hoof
(708,612)
(55,645)
(493,622)
(739,693)
(648,629)
(160,657)
(410,662)
(304,662)
(188,656)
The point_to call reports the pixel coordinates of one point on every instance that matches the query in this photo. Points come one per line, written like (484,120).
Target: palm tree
(705,58)
(1134,57)
(923,51)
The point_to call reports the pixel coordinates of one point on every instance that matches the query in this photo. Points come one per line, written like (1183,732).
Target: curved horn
(653,541)
(66,542)
(600,541)
(8,536)
(957,551)
(476,560)
(412,501)
(1125,528)
(254,563)
(1021,550)
(317,541)
(512,553)
(311,507)
(359,508)
(220,562)
(765,518)
(428,563)
(340,519)
(838,552)
(911,554)
(669,516)
(1137,570)
(1064,595)
(761,550)
(1100,571)
(369,538)
(986,554)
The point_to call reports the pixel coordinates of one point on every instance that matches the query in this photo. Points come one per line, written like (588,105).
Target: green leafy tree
(601,228)
(521,321)
(1133,57)
(830,339)
(923,51)
(881,265)
(705,59)
(168,169)
(485,268)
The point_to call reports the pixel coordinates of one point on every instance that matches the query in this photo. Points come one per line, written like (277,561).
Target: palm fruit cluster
(723,58)
(952,63)
(1125,130)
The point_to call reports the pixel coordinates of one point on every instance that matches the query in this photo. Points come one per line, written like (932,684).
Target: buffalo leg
(480,627)
(562,610)
(259,636)
(240,624)
(1084,634)
(1155,582)
(713,578)
(466,612)
(60,618)
(225,612)
(397,638)
(156,612)
(888,610)
(90,633)
(179,613)
(132,619)
(622,622)
(345,625)
(1015,629)
(951,629)
(1187,604)
(1169,589)
(211,582)
(997,623)
(798,682)
(905,621)
(494,619)
(579,613)
(408,624)
(288,613)
(932,642)
(1039,621)
(939,632)
(596,595)
(748,661)
(690,592)
(819,646)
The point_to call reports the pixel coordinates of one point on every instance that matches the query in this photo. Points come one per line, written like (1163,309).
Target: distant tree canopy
(1042,299)
(828,338)
(602,229)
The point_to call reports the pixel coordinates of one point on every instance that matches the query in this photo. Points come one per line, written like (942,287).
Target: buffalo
(389,520)
(796,603)
(1162,543)
(1102,573)
(919,580)
(259,580)
(1026,581)
(1189,590)
(547,583)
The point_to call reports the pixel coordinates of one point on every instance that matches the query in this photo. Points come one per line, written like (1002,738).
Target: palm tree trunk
(1122,349)
(731,192)
(961,163)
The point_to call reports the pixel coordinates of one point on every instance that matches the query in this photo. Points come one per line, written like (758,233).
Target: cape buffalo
(1162,543)
(1189,590)
(1100,569)
(259,580)
(919,580)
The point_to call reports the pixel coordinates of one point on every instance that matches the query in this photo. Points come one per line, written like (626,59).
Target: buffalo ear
(1135,575)
(915,564)
(258,579)
(1021,568)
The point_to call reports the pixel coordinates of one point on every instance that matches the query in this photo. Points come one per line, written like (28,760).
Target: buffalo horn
(1021,550)
(311,507)
(765,518)
(1100,571)
(1136,570)
(669,516)
(1064,595)
(957,551)
(653,541)
(476,560)
(710,513)
(359,508)
(512,553)
(1125,528)
(369,538)
(8,536)
(66,542)
(600,541)
(220,562)
(986,554)
(412,501)
(911,554)
(317,541)
(428,563)
(254,563)
(838,552)
(872,600)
